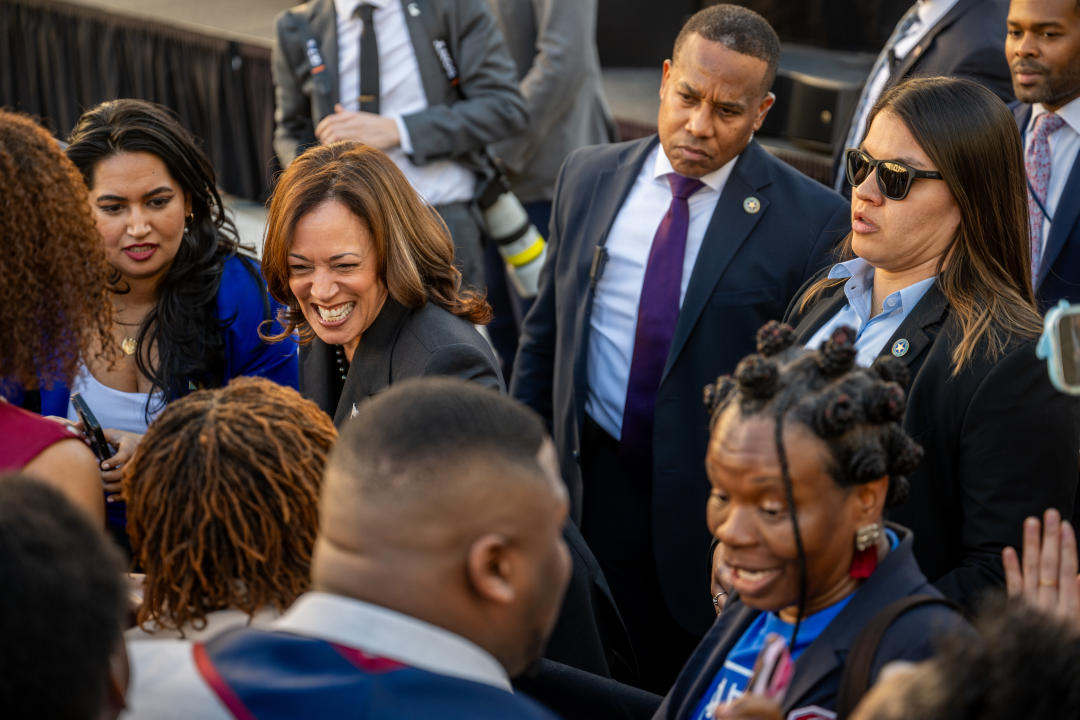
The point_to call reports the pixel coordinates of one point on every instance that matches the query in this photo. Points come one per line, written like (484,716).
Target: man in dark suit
(638,309)
(427,81)
(1043,50)
(955,38)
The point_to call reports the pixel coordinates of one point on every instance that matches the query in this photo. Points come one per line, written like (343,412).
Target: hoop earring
(865,560)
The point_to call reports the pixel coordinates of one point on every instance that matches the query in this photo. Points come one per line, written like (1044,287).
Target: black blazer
(400,344)
(1059,275)
(750,265)
(404,343)
(1000,443)
(818,670)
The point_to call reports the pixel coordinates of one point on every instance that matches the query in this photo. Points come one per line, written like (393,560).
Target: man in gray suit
(553,44)
(427,81)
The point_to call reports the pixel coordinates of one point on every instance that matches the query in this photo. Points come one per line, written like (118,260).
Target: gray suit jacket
(553,43)
(451,127)
(400,344)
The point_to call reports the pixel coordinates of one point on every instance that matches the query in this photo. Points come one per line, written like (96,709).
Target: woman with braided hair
(222,497)
(937,272)
(806,451)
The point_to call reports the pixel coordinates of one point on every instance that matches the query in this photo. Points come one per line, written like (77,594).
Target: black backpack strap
(855,679)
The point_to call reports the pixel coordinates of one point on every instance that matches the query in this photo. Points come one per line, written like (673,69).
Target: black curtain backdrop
(57,60)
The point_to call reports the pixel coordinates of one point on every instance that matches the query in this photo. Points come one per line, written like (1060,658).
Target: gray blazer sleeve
(492,108)
(294,130)
(552,84)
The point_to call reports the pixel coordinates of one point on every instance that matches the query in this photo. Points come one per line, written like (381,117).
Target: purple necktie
(1037,164)
(658,312)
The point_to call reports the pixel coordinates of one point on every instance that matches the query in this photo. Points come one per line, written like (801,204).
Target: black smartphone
(92,428)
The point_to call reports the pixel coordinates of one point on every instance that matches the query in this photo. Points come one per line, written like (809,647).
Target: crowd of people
(312,484)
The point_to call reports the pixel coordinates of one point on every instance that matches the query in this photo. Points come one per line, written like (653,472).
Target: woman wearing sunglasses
(937,272)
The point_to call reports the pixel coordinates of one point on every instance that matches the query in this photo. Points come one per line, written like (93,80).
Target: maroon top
(24,435)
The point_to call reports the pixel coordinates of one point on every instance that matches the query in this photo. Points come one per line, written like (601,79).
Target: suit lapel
(831,302)
(1065,217)
(423,31)
(608,194)
(728,229)
(694,681)
(919,328)
(917,52)
(896,577)
(323,20)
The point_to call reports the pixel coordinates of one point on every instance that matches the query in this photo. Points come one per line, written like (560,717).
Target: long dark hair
(856,412)
(183,325)
(985,273)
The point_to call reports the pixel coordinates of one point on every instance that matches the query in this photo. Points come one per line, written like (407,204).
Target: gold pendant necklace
(129,346)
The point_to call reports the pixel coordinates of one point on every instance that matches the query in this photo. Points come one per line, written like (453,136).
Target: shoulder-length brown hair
(53,272)
(972,139)
(414,251)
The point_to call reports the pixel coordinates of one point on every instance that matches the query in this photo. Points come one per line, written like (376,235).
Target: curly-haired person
(222,500)
(53,279)
(806,451)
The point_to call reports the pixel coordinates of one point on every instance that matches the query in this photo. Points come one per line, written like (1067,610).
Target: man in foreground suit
(639,309)
(955,38)
(381,73)
(1043,50)
(438,573)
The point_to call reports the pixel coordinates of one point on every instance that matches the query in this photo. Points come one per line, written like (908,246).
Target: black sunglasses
(894,178)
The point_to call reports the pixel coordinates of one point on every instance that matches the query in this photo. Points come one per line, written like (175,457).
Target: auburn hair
(222,501)
(53,271)
(413,248)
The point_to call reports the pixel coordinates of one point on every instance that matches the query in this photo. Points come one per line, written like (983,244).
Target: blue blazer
(818,670)
(749,266)
(242,304)
(1059,274)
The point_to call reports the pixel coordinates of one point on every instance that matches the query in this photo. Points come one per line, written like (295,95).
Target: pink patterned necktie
(1037,164)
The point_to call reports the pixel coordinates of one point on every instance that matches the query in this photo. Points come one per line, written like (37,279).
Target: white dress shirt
(930,13)
(166,685)
(401,92)
(613,322)
(871,333)
(1064,147)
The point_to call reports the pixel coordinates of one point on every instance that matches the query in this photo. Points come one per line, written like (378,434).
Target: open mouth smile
(334,315)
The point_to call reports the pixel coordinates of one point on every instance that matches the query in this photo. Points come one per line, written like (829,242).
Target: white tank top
(114,409)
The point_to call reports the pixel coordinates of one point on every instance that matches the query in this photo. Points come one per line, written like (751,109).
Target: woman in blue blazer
(186,304)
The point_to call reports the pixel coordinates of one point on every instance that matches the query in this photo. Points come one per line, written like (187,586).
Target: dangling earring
(865,560)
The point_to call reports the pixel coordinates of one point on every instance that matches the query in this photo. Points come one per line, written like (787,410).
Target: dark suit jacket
(1001,444)
(819,668)
(749,266)
(1059,276)
(400,344)
(451,127)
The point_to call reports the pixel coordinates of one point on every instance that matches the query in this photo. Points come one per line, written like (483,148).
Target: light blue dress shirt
(871,332)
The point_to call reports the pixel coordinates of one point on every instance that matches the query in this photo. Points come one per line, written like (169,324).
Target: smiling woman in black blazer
(365,269)
(937,272)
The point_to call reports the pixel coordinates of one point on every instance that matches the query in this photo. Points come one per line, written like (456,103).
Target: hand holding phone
(92,431)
